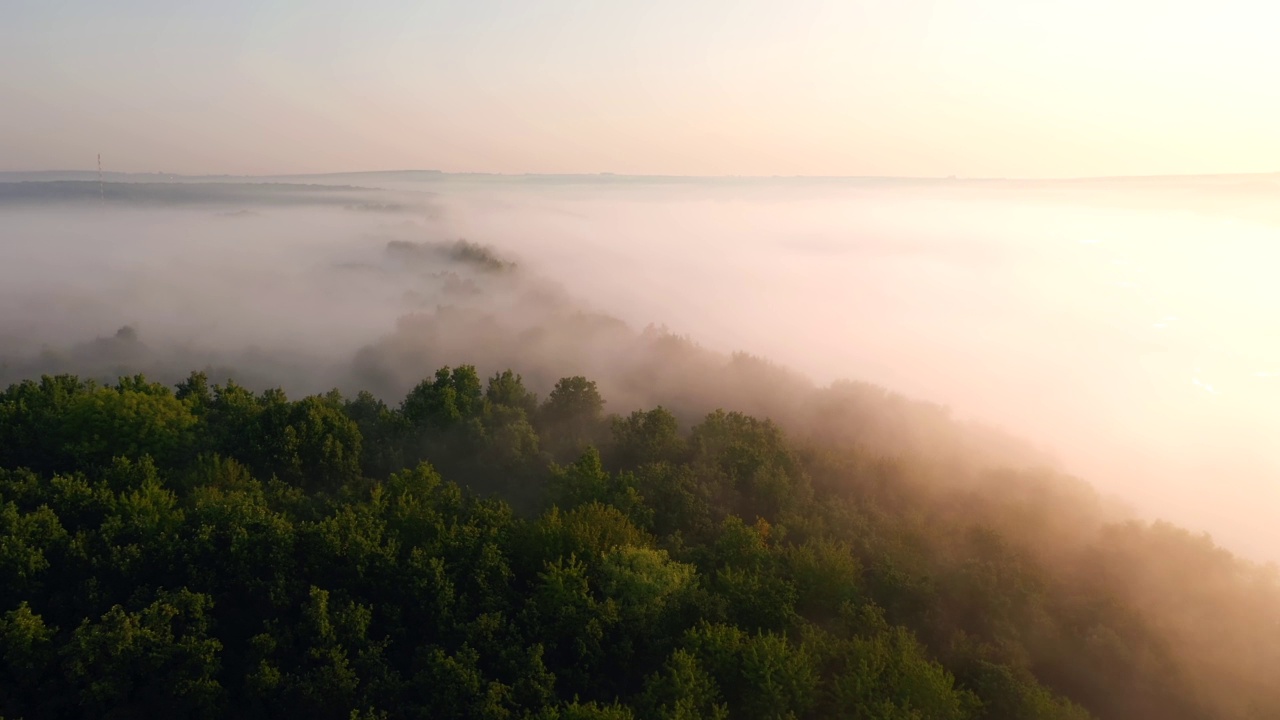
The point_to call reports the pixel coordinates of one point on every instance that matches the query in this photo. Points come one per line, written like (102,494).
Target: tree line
(476,551)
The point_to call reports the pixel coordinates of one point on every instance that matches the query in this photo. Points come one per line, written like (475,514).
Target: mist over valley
(613,446)
(1119,327)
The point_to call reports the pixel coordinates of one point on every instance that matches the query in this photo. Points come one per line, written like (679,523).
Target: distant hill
(204,193)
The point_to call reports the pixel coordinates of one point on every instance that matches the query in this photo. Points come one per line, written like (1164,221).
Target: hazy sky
(901,87)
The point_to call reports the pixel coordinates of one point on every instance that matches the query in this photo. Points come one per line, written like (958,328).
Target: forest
(475,550)
(398,360)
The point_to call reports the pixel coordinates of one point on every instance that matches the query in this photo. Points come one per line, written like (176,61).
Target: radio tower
(102,193)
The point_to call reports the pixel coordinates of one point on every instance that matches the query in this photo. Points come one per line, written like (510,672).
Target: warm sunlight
(661,360)
(861,87)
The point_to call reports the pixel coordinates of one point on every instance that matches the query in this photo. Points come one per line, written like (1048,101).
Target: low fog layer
(1125,328)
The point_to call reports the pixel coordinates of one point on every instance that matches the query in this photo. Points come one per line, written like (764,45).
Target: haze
(1121,327)
(910,88)
(1125,326)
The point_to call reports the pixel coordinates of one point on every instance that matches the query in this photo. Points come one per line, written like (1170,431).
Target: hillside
(475,551)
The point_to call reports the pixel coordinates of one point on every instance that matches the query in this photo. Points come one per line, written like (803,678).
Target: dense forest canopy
(476,550)
(514,506)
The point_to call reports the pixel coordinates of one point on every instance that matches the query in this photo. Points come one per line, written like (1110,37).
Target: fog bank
(1125,327)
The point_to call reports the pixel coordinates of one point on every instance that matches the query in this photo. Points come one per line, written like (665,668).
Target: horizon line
(606,174)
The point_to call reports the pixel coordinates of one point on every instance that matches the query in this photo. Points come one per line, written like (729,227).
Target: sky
(975,88)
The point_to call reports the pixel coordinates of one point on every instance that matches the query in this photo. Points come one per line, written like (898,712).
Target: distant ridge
(327,178)
(198,192)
